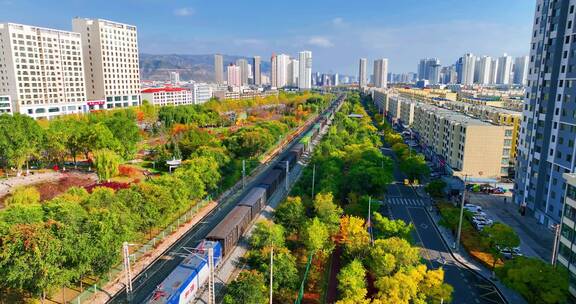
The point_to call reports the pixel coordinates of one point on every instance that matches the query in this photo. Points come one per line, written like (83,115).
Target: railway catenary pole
(271,270)
(127,271)
(211,291)
(243,173)
(287,174)
(313,179)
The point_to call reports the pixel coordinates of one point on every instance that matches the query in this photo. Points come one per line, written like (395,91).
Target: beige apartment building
(464,144)
(467,145)
(111,63)
(41,71)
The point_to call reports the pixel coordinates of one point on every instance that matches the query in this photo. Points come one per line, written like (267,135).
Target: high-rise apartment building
(274,71)
(483,66)
(381,73)
(504,70)
(174,78)
(548,131)
(521,70)
(567,242)
(218,68)
(112,68)
(467,65)
(363,73)
(41,71)
(429,69)
(244,71)
(305,70)
(282,61)
(493,70)
(293,72)
(234,74)
(257,70)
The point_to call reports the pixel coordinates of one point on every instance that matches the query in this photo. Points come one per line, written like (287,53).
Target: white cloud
(320,42)
(184,12)
(338,21)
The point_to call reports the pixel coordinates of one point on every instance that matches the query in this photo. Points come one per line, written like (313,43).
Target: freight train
(182,285)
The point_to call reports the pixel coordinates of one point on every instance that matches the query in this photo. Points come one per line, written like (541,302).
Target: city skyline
(336,35)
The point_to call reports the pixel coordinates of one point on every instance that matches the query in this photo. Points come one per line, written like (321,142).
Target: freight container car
(255,199)
(271,181)
(231,228)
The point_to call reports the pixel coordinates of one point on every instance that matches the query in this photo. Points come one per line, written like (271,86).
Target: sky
(337,32)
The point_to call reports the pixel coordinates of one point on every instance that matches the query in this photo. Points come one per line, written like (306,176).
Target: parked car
(472,208)
(482,220)
(434,174)
(509,253)
(478,226)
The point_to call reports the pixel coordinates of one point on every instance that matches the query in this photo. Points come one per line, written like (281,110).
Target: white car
(509,253)
(482,220)
(473,208)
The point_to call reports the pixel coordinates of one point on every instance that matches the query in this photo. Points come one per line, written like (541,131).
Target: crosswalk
(415,202)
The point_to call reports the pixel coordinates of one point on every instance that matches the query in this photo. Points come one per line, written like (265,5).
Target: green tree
(193,139)
(436,188)
(386,228)
(316,237)
(106,163)
(31,260)
(354,236)
(267,233)
(97,137)
(327,211)
(23,195)
(535,280)
(498,237)
(388,256)
(248,288)
(20,140)
(352,283)
(415,167)
(124,131)
(291,213)
(285,271)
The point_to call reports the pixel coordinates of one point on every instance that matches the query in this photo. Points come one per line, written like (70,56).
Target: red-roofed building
(168,96)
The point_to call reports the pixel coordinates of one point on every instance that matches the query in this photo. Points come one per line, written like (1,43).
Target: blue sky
(337,32)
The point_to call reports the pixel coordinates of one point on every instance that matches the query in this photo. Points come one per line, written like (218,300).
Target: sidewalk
(463,258)
(536,239)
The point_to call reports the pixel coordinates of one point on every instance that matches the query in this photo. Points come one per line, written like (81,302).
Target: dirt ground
(49,184)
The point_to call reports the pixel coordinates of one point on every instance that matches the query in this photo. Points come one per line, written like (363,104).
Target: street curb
(500,293)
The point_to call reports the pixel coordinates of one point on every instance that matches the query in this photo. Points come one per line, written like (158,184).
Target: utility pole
(127,271)
(457,244)
(271,270)
(211,291)
(243,173)
(287,174)
(313,179)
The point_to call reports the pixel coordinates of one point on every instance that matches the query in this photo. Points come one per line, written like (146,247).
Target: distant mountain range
(190,67)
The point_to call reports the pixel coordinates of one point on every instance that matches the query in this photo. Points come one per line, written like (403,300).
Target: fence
(114,273)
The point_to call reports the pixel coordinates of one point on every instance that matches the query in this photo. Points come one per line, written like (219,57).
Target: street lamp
(457,243)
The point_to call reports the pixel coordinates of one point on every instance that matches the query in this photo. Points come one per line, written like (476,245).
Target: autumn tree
(352,283)
(23,195)
(354,235)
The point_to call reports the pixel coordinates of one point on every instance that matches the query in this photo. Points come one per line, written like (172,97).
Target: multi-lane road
(402,202)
